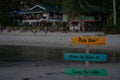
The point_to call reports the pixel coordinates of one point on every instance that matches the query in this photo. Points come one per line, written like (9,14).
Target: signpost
(87,40)
(85,57)
(85,72)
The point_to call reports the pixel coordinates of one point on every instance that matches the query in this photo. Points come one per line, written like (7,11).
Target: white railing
(31,21)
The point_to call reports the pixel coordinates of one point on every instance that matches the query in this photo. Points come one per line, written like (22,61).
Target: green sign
(85,72)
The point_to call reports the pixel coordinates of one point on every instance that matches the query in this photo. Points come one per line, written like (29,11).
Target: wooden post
(87,62)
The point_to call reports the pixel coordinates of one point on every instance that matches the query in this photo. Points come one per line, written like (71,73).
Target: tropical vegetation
(71,7)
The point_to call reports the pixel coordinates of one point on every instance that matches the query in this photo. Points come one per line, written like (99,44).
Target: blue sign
(85,57)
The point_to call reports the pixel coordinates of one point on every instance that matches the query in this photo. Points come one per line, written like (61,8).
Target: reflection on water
(47,63)
(30,53)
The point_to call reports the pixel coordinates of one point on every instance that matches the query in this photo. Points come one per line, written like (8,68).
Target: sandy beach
(54,71)
(56,39)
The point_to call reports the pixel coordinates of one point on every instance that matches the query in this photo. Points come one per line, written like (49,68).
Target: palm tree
(72,8)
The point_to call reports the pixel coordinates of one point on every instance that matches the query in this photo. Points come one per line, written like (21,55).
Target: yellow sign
(89,40)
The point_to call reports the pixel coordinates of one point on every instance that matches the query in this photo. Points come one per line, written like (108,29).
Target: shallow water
(30,53)
(47,70)
(47,63)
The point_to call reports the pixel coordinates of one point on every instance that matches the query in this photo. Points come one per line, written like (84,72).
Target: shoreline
(56,40)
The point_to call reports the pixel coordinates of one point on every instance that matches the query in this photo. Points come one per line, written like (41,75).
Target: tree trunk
(70,22)
(79,26)
(82,23)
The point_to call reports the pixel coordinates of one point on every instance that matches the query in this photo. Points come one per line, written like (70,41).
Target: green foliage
(5,20)
(74,7)
(112,29)
(26,27)
(117,28)
(2,20)
(109,28)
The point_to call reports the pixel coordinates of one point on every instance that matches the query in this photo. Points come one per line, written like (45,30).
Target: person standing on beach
(34,31)
(1,29)
(46,30)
